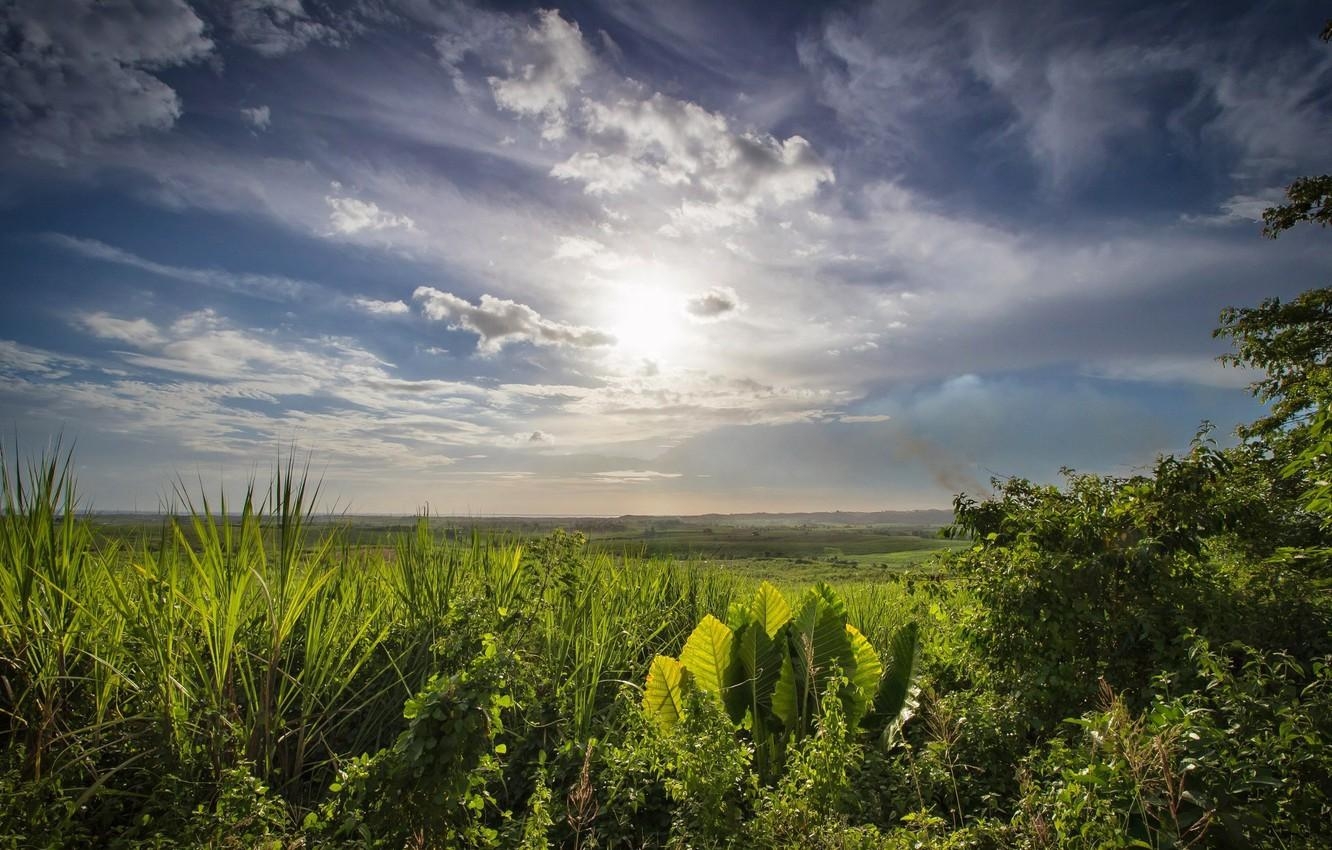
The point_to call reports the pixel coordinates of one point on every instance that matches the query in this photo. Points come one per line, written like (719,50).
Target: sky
(626,256)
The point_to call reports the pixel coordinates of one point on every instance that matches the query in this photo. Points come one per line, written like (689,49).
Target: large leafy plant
(769,666)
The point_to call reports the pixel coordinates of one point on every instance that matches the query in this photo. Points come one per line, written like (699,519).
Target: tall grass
(238,637)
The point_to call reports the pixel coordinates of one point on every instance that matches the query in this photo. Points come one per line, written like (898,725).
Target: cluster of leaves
(435,783)
(769,667)
(1096,580)
(1241,758)
(692,783)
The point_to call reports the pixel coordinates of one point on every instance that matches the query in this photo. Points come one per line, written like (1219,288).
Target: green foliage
(1290,342)
(1123,784)
(808,805)
(769,668)
(1097,580)
(1307,199)
(239,675)
(245,815)
(1261,745)
(1241,761)
(898,689)
(436,781)
(708,658)
(663,696)
(708,778)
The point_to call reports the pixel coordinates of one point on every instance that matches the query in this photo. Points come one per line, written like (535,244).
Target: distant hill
(914,519)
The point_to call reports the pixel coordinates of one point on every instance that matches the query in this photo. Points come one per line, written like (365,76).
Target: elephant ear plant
(769,666)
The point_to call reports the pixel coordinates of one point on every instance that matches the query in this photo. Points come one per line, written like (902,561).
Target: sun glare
(647,320)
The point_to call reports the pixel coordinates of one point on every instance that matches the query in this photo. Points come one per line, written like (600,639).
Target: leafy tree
(1292,343)
(1309,199)
(1095,580)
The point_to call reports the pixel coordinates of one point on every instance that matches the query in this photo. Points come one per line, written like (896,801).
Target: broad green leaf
(770,609)
(760,665)
(818,639)
(738,615)
(707,655)
(864,677)
(896,699)
(785,699)
(662,698)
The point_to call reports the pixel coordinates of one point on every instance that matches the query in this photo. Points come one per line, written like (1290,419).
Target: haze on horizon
(617,257)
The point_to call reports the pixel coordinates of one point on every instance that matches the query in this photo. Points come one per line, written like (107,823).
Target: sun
(647,320)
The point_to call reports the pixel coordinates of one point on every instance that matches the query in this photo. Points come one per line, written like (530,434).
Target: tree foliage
(1307,199)
(1291,342)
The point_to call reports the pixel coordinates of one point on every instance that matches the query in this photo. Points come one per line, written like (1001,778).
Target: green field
(780,547)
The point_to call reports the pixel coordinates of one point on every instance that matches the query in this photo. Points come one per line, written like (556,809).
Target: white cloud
(1240,208)
(257,117)
(380,308)
(680,144)
(701,217)
(577,248)
(73,74)
(1274,108)
(464,31)
(714,304)
(600,174)
(627,137)
(632,476)
(205,388)
(139,333)
(499,322)
(1081,90)
(273,287)
(1073,109)
(663,405)
(1175,369)
(17,360)
(551,63)
(350,215)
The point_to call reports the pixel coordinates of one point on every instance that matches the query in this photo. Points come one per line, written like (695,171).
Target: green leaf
(760,665)
(662,698)
(785,699)
(897,700)
(864,677)
(819,643)
(770,609)
(707,655)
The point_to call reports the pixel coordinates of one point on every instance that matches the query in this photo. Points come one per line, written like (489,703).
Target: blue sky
(614,257)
